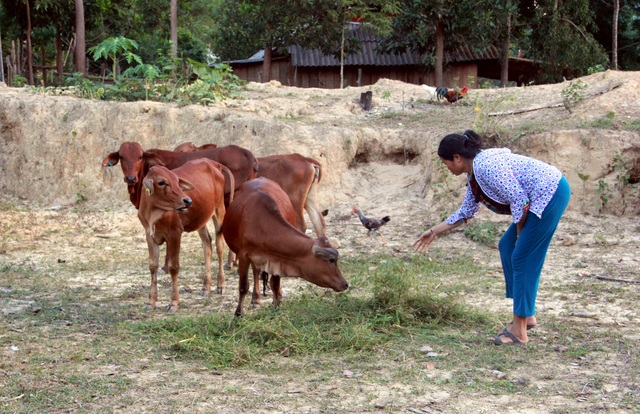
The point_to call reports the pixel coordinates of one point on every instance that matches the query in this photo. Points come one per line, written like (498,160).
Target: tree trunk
(504,61)
(29,49)
(59,53)
(614,36)
(80,58)
(266,65)
(12,67)
(342,60)
(439,53)
(2,79)
(43,57)
(174,29)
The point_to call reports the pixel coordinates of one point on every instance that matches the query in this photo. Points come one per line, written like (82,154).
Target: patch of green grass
(633,125)
(288,118)
(390,300)
(59,346)
(485,232)
(391,114)
(604,123)
(48,392)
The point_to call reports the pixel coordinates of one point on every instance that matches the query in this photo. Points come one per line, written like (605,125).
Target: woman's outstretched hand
(421,245)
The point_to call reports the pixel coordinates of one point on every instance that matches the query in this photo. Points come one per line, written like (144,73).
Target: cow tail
(256,167)
(317,167)
(232,181)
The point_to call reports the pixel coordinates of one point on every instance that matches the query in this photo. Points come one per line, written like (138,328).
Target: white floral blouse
(507,178)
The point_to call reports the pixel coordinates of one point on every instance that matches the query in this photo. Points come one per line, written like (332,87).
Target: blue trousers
(522,261)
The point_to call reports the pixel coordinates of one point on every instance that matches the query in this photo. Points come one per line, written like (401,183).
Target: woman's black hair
(466,145)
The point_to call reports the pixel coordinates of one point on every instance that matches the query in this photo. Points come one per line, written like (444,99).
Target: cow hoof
(172,309)
(238,314)
(148,307)
(220,291)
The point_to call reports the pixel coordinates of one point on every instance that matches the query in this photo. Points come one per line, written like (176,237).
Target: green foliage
(114,49)
(464,23)
(80,86)
(148,82)
(604,193)
(213,84)
(572,94)
(244,27)
(633,125)
(622,170)
(620,185)
(143,70)
(19,81)
(596,69)
(584,178)
(561,40)
(486,121)
(149,73)
(567,38)
(486,232)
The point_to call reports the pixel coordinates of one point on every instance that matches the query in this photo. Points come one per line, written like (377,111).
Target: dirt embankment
(51,147)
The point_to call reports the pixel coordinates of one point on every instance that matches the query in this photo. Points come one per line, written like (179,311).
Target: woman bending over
(536,195)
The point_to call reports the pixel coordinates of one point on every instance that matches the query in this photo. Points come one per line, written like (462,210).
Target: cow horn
(326,253)
(148,185)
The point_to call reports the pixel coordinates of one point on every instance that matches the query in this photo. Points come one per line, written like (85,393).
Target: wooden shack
(309,68)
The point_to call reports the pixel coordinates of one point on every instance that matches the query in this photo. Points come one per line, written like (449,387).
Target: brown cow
(135,162)
(298,176)
(257,228)
(183,200)
(190,146)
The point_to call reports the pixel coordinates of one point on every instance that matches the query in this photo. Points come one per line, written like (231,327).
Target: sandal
(505,332)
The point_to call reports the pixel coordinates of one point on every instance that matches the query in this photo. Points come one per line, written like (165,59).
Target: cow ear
(111,159)
(184,184)
(325,253)
(148,186)
(152,159)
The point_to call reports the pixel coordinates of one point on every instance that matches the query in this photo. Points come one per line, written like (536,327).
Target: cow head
(166,190)
(135,163)
(131,158)
(327,273)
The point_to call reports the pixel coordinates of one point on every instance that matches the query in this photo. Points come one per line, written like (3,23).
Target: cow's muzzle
(130,179)
(187,203)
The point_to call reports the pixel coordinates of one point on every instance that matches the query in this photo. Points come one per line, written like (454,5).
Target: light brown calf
(183,200)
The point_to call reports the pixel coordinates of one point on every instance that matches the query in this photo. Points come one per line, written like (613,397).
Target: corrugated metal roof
(368,56)
(465,54)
